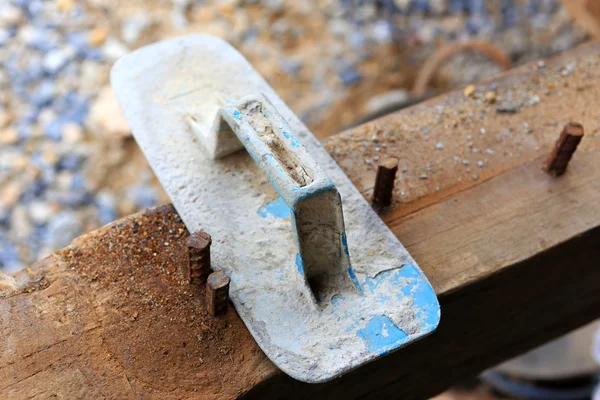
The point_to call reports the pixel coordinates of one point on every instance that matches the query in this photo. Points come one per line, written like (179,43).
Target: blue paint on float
(236,114)
(381,335)
(299,263)
(276,208)
(407,280)
(355,280)
(336,299)
(295,142)
(345,243)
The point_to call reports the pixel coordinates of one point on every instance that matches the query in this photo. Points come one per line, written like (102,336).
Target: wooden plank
(513,256)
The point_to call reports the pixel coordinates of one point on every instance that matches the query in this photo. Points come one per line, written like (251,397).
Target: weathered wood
(512,253)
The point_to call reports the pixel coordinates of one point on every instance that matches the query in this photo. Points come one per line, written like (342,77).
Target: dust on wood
(455,142)
(117,300)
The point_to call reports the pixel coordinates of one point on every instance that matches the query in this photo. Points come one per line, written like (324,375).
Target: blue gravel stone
(33,192)
(39,234)
(79,182)
(476,7)
(350,76)
(34,71)
(420,6)
(5,35)
(34,7)
(63,228)
(36,159)
(93,54)
(142,196)
(291,67)
(70,162)
(4,219)
(21,3)
(357,40)
(250,34)
(31,115)
(477,24)
(533,7)
(105,208)
(47,177)
(78,195)
(44,95)
(74,199)
(42,41)
(53,130)
(72,107)
(56,60)
(79,41)
(458,5)
(509,14)
(24,129)
(9,256)
(69,108)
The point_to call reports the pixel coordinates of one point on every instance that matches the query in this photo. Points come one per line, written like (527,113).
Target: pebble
(134,26)
(9,136)
(142,196)
(10,195)
(490,97)
(387,100)
(508,107)
(291,67)
(55,60)
(97,36)
(72,133)
(106,207)
(439,146)
(106,116)
(113,49)
(178,19)
(19,221)
(63,228)
(469,90)
(10,15)
(5,118)
(534,100)
(9,256)
(40,212)
(349,76)
(568,69)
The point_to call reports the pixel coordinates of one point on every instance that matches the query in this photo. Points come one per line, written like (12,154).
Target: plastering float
(317,277)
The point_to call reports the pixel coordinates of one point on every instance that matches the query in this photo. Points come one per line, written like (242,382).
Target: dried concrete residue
(255,115)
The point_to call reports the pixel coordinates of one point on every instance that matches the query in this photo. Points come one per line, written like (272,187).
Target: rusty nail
(198,266)
(217,292)
(565,146)
(384,182)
